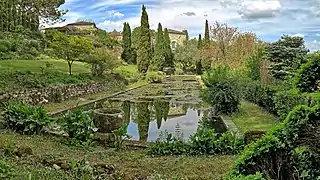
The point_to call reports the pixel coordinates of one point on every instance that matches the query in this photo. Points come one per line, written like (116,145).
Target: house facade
(176,38)
(77,28)
(116,35)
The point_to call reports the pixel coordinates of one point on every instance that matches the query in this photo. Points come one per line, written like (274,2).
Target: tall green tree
(144,51)
(28,13)
(169,56)
(159,58)
(186,56)
(199,63)
(70,48)
(199,42)
(187,36)
(126,44)
(286,55)
(206,33)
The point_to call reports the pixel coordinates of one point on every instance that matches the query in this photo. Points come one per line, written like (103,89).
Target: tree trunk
(70,67)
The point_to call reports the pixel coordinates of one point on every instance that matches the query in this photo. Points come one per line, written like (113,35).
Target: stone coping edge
(230,125)
(58,112)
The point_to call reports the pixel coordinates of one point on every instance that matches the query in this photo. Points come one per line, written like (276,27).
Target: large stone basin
(108,119)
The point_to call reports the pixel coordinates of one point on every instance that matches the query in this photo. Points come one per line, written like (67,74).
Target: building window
(174,44)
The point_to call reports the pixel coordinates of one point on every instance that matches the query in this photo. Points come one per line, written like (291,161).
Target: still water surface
(147,120)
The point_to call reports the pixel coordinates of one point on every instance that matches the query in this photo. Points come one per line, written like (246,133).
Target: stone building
(115,35)
(77,28)
(176,38)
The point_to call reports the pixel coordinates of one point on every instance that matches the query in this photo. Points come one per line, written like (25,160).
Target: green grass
(133,163)
(130,72)
(36,66)
(128,68)
(251,117)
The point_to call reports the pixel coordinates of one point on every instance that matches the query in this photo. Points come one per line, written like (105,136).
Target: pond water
(148,120)
(173,106)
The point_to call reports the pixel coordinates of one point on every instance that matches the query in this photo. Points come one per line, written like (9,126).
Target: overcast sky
(269,19)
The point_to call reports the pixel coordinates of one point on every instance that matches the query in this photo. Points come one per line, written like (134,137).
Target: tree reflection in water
(143,119)
(126,112)
(161,109)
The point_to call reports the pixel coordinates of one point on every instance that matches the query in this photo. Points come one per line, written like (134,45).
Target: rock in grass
(22,151)
(65,166)
(56,167)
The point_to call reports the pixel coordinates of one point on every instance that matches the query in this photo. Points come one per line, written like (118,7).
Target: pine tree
(159,58)
(144,47)
(126,44)
(206,34)
(168,52)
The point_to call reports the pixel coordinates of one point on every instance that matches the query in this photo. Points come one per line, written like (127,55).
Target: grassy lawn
(251,117)
(36,66)
(133,163)
(132,69)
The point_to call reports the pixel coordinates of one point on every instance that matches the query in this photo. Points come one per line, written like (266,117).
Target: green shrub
(254,63)
(28,79)
(22,44)
(102,61)
(179,71)
(307,77)
(257,176)
(5,45)
(276,155)
(78,125)
(222,90)
(6,172)
(155,77)
(262,95)
(24,118)
(204,142)
(305,160)
(170,145)
(285,101)
(207,142)
(251,136)
(120,136)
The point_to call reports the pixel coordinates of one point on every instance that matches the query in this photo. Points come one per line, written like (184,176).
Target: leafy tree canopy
(287,55)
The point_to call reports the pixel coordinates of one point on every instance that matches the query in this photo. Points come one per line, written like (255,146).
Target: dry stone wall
(52,94)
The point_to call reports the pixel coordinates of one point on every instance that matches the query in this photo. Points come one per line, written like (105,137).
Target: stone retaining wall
(52,94)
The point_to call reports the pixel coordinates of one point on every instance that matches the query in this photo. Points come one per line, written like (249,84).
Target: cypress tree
(199,42)
(198,63)
(206,33)
(159,60)
(169,56)
(187,37)
(144,48)
(126,44)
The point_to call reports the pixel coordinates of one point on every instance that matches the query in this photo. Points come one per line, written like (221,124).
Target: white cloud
(255,9)
(103,3)
(114,13)
(299,35)
(269,19)
(70,17)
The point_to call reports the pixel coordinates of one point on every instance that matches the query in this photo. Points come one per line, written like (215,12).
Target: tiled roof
(81,23)
(115,33)
(175,31)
